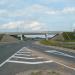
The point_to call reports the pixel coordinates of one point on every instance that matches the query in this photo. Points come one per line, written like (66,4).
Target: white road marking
(9,58)
(39,57)
(59,53)
(24,48)
(27,57)
(23,54)
(21,62)
(64,65)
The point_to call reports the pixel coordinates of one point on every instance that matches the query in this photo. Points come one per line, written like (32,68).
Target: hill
(8,38)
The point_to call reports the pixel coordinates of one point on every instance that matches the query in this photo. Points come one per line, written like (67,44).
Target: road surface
(20,57)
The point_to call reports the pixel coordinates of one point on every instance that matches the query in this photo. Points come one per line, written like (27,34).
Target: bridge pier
(21,37)
(46,37)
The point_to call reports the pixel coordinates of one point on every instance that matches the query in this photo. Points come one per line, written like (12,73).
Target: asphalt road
(63,55)
(23,60)
(6,50)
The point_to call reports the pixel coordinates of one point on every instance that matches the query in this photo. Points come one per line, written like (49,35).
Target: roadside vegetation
(45,73)
(58,43)
(69,36)
(40,72)
(1,36)
(68,42)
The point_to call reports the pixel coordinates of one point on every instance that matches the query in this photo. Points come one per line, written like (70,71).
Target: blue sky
(37,15)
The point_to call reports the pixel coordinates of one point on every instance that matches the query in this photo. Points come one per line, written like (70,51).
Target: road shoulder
(55,47)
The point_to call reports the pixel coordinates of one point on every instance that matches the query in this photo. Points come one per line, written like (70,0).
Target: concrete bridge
(33,33)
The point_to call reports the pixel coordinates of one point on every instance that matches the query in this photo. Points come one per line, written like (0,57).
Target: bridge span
(33,33)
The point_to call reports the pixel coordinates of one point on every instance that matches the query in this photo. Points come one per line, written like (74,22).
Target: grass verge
(58,43)
(45,73)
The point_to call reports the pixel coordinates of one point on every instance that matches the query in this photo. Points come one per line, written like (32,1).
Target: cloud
(36,25)
(3,2)
(65,10)
(36,9)
(26,11)
(49,14)
(52,12)
(10,25)
(55,1)
(68,10)
(22,26)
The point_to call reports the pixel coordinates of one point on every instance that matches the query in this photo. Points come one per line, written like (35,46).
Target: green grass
(1,36)
(69,41)
(45,73)
(57,43)
(69,35)
(48,42)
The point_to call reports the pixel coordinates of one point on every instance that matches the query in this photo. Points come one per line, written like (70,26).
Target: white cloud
(22,25)
(69,10)
(2,11)
(3,2)
(46,10)
(53,0)
(16,13)
(65,10)
(65,1)
(52,12)
(36,9)
(10,25)
(36,25)
(22,12)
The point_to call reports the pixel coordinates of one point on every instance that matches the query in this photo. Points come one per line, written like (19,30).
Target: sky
(37,15)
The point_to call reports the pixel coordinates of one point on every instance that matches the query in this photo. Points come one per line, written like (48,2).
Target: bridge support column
(46,37)
(21,36)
